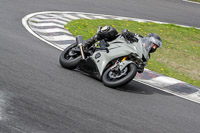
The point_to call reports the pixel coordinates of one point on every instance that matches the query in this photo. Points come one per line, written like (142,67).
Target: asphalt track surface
(37,95)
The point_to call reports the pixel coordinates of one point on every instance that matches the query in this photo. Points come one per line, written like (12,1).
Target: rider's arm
(129,36)
(107,33)
(92,40)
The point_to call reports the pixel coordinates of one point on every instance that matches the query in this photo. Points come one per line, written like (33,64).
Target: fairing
(119,48)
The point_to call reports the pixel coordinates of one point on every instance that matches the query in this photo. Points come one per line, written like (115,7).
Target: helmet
(108,33)
(154,39)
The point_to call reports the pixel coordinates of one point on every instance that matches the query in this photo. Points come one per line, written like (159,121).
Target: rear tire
(69,62)
(109,81)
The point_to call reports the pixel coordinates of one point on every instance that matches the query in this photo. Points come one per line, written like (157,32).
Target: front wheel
(68,58)
(116,79)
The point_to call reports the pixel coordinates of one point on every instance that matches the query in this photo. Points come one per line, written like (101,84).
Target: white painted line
(45,17)
(64,19)
(140,20)
(24,22)
(83,16)
(164,81)
(51,30)
(54,15)
(48,20)
(193,98)
(70,16)
(99,17)
(121,18)
(191,2)
(58,17)
(58,38)
(46,24)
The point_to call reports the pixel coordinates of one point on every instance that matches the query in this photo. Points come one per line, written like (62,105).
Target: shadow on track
(132,87)
(139,88)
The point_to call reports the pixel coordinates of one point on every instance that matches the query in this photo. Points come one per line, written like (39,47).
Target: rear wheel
(68,58)
(115,79)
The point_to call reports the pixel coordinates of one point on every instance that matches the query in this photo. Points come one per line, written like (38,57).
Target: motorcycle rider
(108,33)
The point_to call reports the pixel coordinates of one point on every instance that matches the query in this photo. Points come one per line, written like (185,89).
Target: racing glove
(129,36)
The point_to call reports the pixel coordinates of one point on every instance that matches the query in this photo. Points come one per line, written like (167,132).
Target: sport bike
(115,63)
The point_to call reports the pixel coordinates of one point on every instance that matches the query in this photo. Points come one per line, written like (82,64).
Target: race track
(37,95)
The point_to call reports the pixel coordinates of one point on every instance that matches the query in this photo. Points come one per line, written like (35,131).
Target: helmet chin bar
(152,50)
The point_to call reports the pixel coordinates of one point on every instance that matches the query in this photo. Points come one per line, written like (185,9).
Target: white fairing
(118,48)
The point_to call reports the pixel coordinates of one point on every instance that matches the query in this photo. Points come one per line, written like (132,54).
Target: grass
(178,58)
(195,0)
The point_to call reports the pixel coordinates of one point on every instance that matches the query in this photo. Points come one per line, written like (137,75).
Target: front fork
(120,65)
(80,45)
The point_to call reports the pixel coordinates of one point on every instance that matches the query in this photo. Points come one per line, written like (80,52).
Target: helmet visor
(156,41)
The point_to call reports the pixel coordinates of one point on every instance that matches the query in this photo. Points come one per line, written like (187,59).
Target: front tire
(67,61)
(113,81)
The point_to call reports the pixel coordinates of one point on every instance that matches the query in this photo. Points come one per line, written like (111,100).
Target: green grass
(195,0)
(178,58)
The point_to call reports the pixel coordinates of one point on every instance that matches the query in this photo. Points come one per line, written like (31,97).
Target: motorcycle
(115,63)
